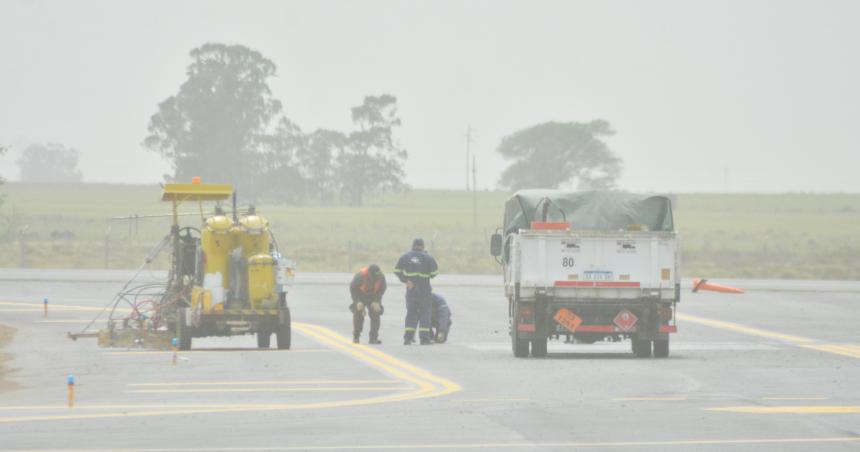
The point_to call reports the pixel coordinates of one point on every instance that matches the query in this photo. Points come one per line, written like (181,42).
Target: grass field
(752,236)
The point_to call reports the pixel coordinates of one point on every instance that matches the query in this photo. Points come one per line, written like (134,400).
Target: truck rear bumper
(644,318)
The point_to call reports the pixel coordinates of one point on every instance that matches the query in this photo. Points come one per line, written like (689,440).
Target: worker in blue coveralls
(440,318)
(416,268)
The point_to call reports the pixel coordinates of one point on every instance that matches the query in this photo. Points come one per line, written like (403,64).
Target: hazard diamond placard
(567,319)
(625,320)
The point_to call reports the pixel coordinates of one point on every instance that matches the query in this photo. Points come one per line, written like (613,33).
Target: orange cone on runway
(703,284)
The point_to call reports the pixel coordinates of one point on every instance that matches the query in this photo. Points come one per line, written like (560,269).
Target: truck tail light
(666,313)
(526,319)
(527,314)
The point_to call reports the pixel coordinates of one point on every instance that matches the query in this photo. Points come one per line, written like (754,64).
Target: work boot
(355,339)
(440,338)
(375,341)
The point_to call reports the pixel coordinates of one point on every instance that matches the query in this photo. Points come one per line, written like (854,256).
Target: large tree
(50,162)
(373,160)
(277,166)
(2,181)
(556,154)
(317,159)
(218,123)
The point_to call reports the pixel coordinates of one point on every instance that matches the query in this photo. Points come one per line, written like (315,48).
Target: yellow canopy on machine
(179,193)
(196,192)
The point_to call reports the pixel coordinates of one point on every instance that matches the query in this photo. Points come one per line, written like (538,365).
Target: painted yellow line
(20,310)
(271,382)
(69,321)
(795,398)
(255,350)
(510,445)
(492,399)
(744,329)
(647,399)
(787,409)
(220,390)
(38,310)
(424,384)
(834,348)
(79,406)
(850,350)
(65,307)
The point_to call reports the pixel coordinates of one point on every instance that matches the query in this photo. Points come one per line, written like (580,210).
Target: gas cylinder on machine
(261,281)
(217,241)
(252,234)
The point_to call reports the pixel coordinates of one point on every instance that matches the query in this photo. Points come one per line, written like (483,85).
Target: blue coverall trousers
(442,318)
(418,315)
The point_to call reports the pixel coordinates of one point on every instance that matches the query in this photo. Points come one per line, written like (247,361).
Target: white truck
(589,266)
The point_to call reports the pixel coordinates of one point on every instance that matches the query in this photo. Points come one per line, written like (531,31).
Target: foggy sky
(769,91)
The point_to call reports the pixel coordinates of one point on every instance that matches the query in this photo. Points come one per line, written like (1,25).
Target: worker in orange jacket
(366,290)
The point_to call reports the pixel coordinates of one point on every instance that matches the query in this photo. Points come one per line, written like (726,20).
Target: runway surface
(774,369)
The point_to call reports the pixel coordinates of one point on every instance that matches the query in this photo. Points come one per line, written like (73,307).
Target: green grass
(751,236)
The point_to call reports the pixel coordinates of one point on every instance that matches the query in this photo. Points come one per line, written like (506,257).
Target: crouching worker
(366,290)
(441,318)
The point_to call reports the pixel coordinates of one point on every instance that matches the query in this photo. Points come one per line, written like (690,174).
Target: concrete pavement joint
(512,445)
(812,409)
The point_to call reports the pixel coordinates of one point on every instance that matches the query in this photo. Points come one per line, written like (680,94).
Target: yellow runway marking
(850,350)
(788,409)
(492,399)
(68,321)
(648,399)
(61,307)
(422,383)
(744,329)
(844,350)
(218,390)
(512,445)
(137,407)
(254,350)
(271,382)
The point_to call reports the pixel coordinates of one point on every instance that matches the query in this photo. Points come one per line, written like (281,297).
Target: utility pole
(468,152)
(474,194)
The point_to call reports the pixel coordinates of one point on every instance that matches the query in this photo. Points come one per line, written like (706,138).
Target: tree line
(225,125)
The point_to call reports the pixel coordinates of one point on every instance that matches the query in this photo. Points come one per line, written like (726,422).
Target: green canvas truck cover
(589,210)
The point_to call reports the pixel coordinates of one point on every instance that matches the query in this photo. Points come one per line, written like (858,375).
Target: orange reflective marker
(703,284)
(70,382)
(173,343)
(45,304)
(195,180)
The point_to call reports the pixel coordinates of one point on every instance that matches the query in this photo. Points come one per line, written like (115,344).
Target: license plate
(598,276)
(567,319)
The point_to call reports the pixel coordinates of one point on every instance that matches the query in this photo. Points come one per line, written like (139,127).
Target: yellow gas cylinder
(252,234)
(217,242)
(261,281)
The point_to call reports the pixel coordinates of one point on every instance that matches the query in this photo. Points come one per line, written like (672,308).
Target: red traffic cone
(703,284)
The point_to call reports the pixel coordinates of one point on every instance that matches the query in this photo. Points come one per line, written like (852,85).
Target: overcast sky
(753,96)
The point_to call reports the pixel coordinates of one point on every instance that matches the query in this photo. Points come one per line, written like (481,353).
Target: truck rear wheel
(661,348)
(539,348)
(284,333)
(519,346)
(264,338)
(641,347)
